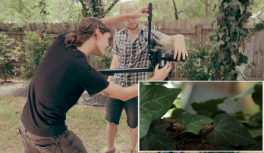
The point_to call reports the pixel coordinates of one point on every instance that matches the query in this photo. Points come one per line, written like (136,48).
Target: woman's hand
(141,12)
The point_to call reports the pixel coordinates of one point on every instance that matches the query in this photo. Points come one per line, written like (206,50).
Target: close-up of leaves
(209,128)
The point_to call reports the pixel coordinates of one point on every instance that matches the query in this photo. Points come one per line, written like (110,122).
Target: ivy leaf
(257,146)
(193,123)
(244,31)
(233,27)
(155,101)
(259,26)
(239,116)
(217,112)
(240,50)
(156,138)
(240,68)
(229,132)
(175,112)
(243,59)
(255,131)
(257,117)
(253,124)
(225,5)
(240,77)
(227,39)
(220,16)
(228,67)
(209,105)
(257,95)
(204,113)
(234,58)
(249,91)
(220,34)
(222,68)
(225,62)
(220,2)
(217,45)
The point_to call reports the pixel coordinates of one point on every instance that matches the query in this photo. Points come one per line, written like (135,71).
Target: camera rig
(159,56)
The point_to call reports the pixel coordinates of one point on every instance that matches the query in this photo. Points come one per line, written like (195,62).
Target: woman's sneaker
(133,151)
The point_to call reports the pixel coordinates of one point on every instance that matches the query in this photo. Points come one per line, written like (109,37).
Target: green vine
(232,33)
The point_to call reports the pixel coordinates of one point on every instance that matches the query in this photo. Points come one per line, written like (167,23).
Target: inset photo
(193,116)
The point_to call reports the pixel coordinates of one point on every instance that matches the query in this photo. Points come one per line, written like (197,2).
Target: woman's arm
(114,20)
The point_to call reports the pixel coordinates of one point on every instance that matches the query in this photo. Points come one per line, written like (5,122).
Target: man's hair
(86,29)
(127,5)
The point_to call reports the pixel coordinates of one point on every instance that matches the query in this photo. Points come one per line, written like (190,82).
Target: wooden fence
(198,29)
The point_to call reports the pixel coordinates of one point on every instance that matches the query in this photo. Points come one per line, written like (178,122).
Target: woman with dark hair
(60,80)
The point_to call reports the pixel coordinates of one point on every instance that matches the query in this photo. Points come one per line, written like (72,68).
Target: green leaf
(193,123)
(228,67)
(217,45)
(227,39)
(255,131)
(257,117)
(240,68)
(225,5)
(234,58)
(209,105)
(239,116)
(259,26)
(240,50)
(220,34)
(156,138)
(217,112)
(175,112)
(229,132)
(253,124)
(257,146)
(233,12)
(155,101)
(243,59)
(225,62)
(204,113)
(220,16)
(257,95)
(249,91)
(220,2)
(233,27)
(222,68)
(244,31)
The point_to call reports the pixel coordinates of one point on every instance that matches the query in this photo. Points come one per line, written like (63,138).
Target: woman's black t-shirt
(56,86)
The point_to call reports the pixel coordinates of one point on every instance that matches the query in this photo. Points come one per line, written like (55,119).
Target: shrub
(8,55)
(34,49)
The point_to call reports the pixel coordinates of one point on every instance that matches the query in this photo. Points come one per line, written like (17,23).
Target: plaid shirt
(133,55)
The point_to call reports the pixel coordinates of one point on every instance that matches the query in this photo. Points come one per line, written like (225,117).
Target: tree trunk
(110,7)
(175,10)
(206,7)
(95,8)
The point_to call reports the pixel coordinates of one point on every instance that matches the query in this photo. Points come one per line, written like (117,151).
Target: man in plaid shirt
(130,51)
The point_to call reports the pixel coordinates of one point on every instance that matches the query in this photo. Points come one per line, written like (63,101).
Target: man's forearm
(114,20)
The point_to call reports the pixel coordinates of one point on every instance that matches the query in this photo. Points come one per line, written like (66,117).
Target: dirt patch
(19,88)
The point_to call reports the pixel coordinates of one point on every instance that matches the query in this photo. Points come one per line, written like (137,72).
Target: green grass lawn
(87,122)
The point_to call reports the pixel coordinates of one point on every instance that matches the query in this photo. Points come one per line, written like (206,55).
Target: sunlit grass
(87,122)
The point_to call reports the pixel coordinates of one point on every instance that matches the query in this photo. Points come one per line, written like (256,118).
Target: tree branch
(260,13)
(183,12)
(83,5)
(110,7)
(175,10)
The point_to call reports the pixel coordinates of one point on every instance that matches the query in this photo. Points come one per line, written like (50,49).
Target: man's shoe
(111,151)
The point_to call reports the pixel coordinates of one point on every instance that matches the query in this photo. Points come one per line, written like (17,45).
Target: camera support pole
(154,57)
